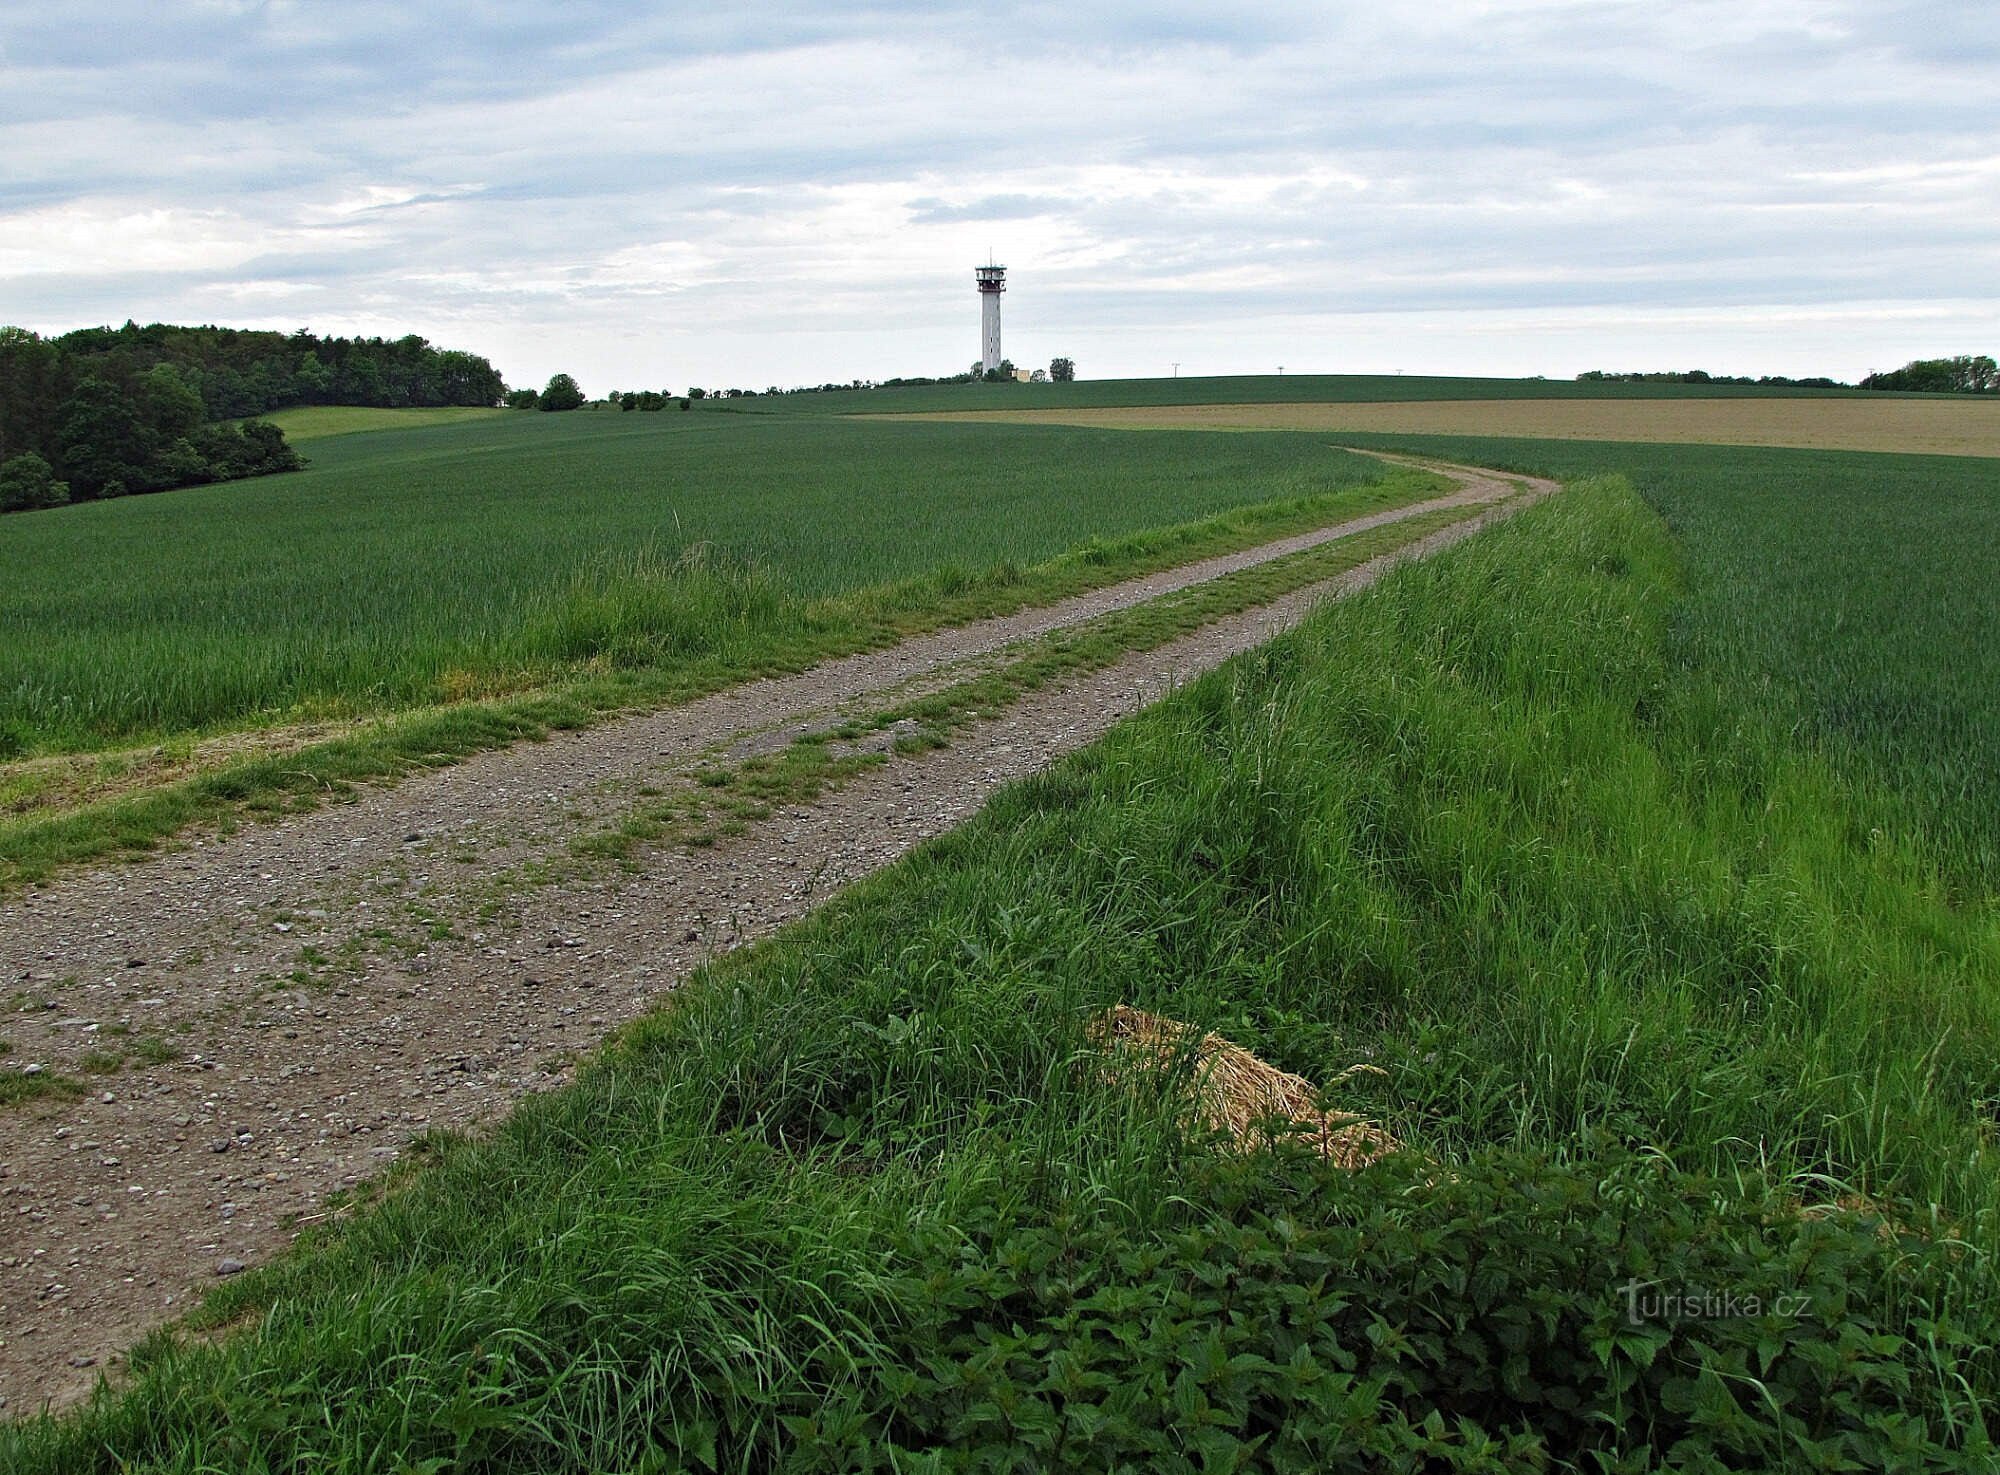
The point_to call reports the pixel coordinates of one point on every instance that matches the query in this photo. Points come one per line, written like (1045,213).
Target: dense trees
(1965,374)
(240,372)
(107,411)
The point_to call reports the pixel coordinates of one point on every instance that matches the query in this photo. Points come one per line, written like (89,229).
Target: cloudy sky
(753,193)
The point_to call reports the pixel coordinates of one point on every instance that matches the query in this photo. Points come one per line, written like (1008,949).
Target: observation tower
(992,282)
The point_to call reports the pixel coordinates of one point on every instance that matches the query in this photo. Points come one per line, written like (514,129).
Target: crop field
(1256,389)
(317,422)
(1615,846)
(1851,594)
(1937,425)
(1633,868)
(500,552)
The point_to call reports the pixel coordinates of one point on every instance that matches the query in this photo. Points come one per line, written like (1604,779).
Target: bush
(28,482)
(562,393)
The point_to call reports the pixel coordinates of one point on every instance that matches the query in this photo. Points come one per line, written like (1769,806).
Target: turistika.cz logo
(1647,1300)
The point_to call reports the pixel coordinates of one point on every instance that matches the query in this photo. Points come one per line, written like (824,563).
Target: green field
(1851,593)
(1242,389)
(318,422)
(1646,847)
(416,566)
(1660,991)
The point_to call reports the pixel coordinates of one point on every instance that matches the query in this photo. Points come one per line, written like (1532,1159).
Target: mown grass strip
(1665,1026)
(659,640)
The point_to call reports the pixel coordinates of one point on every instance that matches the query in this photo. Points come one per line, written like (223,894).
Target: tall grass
(1854,592)
(1638,980)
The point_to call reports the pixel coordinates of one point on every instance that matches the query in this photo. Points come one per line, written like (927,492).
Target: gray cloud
(784,192)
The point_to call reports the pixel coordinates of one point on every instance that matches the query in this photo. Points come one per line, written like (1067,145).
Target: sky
(766,193)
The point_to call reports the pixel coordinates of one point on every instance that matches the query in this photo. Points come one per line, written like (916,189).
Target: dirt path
(294,1003)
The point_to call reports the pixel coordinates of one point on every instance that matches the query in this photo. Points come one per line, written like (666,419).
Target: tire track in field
(342,981)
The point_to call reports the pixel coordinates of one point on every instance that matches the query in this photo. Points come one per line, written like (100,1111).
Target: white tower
(992,282)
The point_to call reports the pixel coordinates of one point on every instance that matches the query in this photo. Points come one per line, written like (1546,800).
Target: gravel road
(296,1001)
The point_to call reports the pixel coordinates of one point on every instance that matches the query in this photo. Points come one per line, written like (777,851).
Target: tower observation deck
(992,282)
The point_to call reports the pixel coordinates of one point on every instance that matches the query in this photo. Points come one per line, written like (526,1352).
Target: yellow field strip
(1944,427)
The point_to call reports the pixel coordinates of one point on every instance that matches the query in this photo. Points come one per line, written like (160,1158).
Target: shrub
(28,482)
(1605,1314)
(562,393)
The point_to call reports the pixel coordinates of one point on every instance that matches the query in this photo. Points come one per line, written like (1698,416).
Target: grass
(18,1087)
(316,422)
(1854,593)
(416,567)
(650,634)
(726,798)
(1655,1003)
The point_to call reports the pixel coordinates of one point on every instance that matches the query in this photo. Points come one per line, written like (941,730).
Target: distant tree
(562,393)
(697,394)
(1063,371)
(523,399)
(1040,376)
(28,482)
(1965,374)
(102,441)
(313,378)
(35,378)
(169,403)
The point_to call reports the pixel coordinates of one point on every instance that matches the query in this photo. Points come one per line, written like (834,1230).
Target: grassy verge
(1701,1075)
(1854,590)
(649,637)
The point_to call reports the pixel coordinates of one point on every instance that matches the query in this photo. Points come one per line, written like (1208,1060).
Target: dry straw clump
(1235,1092)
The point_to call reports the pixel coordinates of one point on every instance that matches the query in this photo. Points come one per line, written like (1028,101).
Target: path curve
(339,982)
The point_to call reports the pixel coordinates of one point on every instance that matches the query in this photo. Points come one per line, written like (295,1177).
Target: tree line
(1702,376)
(1965,374)
(106,412)
(563,392)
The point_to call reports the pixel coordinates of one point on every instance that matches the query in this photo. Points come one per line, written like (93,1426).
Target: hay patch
(1233,1092)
